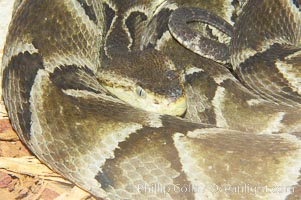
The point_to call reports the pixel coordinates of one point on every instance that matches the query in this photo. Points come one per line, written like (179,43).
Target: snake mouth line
(151,102)
(176,108)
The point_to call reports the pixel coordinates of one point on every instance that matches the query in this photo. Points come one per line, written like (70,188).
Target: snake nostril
(176,92)
(171,74)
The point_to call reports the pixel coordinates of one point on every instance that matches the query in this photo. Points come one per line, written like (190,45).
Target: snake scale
(240,136)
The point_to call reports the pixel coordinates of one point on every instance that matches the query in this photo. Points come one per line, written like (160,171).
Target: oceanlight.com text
(226,188)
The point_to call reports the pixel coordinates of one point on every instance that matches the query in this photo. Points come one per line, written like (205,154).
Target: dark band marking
(117,40)
(103,179)
(88,10)
(109,15)
(158,144)
(74,77)
(19,78)
(157,27)
(132,22)
(236,5)
(162,18)
(264,63)
(156,140)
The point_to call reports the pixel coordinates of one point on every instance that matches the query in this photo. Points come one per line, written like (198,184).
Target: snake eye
(140,92)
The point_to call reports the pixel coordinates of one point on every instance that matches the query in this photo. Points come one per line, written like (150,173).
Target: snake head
(148,80)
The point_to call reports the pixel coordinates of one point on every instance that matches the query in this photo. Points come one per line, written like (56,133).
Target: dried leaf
(29,165)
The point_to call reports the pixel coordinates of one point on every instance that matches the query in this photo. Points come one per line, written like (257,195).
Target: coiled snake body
(240,136)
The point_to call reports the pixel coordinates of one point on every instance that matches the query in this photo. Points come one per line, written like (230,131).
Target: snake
(226,72)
